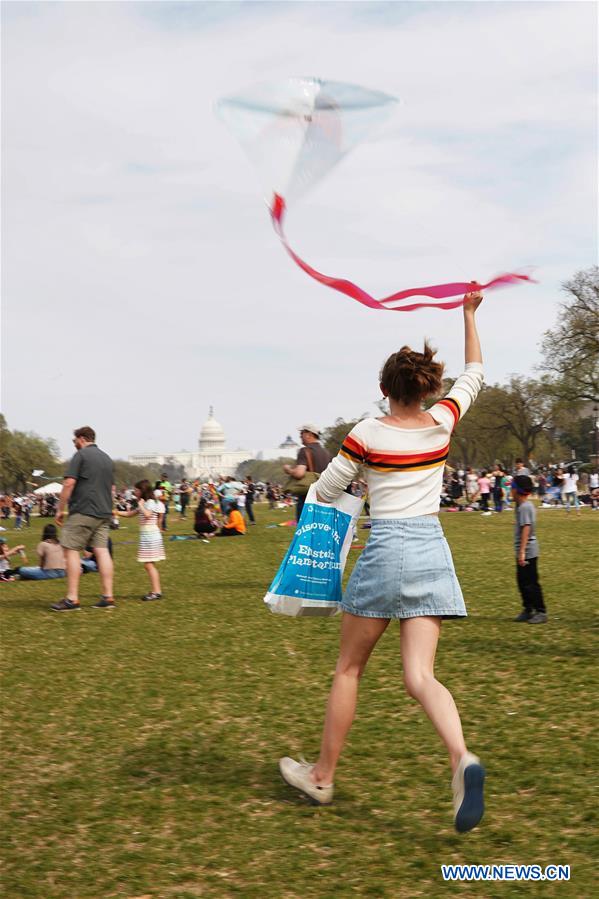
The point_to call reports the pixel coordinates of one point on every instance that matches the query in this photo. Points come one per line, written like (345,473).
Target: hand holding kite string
(294,132)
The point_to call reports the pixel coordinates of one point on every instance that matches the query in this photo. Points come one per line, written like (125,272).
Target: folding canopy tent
(54,487)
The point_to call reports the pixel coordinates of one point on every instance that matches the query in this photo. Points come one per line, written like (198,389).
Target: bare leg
(419,637)
(154,576)
(359,636)
(105,567)
(73,560)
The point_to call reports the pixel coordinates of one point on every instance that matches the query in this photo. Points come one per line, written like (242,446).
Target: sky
(141,279)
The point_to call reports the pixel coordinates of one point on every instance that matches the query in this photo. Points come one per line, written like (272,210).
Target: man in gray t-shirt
(527,553)
(87,490)
(311,457)
(520,468)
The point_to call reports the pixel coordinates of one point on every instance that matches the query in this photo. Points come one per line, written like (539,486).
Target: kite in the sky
(295,131)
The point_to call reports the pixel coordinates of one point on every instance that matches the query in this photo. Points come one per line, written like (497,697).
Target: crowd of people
(225,507)
(17,508)
(489,490)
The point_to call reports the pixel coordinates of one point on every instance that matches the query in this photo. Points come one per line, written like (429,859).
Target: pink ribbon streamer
(437,292)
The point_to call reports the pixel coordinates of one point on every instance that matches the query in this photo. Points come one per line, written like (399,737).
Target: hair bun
(408,376)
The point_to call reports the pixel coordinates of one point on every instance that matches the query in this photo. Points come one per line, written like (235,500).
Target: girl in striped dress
(151,547)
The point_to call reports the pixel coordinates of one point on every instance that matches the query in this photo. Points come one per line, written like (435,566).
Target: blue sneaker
(468,801)
(104,603)
(65,605)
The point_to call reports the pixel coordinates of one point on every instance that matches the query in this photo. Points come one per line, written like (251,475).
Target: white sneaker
(486,513)
(297,774)
(467,785)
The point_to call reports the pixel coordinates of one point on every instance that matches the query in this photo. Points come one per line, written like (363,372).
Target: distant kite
(295,131)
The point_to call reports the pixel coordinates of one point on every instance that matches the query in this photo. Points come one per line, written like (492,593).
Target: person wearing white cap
(312,456)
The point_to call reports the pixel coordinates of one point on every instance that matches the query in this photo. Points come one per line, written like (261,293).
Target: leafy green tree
(20,453)
(572,434)
(477,441)
(173,470)
(264,469)
(126,474)
(523,409)
(333,437)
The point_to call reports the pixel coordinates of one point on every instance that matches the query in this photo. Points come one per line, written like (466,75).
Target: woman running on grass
(406,570)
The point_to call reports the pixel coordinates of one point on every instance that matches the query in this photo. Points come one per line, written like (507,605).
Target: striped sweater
(403,466)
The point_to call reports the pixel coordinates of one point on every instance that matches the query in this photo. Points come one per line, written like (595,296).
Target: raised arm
(472,350)
(466,388)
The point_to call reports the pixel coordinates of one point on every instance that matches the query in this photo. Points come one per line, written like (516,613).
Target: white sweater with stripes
(403,467)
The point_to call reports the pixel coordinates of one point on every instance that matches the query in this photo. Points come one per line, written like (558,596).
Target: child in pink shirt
(484,486)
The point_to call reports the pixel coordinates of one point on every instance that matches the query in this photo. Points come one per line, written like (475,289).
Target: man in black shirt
(88,491)
(311,457)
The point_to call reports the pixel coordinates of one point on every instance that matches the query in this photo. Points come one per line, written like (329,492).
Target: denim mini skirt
(405,571)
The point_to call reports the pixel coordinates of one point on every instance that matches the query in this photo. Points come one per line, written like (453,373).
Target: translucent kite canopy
(295,131)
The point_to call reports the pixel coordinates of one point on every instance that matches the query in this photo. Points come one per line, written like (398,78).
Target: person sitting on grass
(52,563)
(6,572)
(89,562)
(234,525)
(204,524)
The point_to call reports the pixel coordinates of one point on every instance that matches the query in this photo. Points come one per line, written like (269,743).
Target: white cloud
(136,241)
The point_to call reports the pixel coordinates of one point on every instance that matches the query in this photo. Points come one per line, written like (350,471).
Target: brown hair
(87,433)
(146,490)
(408,376)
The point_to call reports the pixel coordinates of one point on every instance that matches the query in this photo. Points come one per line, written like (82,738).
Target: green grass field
(140,746)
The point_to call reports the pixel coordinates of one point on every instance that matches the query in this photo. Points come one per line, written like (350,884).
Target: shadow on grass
(205,762)
(207,765)
(44,605)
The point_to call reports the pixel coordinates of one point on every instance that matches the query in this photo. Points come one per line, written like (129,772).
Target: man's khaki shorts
(80,531)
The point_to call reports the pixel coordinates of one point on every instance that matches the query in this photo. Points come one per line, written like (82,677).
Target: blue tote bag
(308,581)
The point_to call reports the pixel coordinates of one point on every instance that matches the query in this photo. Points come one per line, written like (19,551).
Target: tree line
(23,452)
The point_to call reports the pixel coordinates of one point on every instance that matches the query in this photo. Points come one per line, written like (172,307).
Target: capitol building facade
(212,458)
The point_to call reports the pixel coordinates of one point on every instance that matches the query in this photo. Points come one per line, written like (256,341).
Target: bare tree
(571,348)
(524,409)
